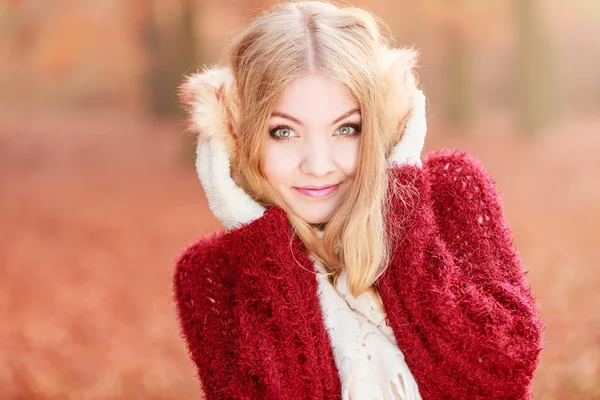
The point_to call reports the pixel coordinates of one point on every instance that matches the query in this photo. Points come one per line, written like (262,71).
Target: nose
(318,158)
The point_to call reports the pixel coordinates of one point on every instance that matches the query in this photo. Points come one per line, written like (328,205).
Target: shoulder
(199,264)
(452,165)
(456,176)
(455,166)
(446,166)
(200,249)
(456,195)
(215,259)
(450,180)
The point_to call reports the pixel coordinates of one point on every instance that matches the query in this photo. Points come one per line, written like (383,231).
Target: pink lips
(313,191)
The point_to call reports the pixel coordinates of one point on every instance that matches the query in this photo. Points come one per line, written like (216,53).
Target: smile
(320,192)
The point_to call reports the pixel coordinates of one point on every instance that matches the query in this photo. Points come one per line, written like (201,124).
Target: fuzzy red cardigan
(455,296)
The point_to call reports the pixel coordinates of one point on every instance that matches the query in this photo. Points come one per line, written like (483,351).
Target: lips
(316,191)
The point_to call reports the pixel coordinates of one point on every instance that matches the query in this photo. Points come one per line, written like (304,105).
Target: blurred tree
(456,21)
(172,52)
(461,97)
(536,83)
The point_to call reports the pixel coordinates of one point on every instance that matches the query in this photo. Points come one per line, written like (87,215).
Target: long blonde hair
(297,38)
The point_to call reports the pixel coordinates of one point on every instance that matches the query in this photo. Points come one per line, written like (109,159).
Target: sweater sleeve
(466,299)
(501,328)
(202,286)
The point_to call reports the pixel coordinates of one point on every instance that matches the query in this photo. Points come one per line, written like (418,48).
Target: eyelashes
(356,131)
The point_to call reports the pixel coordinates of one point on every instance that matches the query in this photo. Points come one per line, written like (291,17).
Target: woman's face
(311,151)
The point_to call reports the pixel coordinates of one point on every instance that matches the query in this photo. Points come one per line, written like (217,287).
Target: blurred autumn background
(98,193)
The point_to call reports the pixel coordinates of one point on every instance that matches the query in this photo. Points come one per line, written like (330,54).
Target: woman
(349,266)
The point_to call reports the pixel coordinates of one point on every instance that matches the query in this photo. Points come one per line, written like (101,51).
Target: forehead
(315,98)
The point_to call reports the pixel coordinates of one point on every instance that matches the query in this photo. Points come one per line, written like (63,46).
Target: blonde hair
(297,38)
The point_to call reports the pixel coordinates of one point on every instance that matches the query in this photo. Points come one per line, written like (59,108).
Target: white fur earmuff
(212,106)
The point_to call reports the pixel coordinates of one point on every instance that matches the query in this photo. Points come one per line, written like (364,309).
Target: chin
(312,212)
(312,216)
(314,220)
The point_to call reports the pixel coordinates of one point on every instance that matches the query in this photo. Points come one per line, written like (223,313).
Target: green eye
(285,132)
(346,130)
(282,132)
(349,130)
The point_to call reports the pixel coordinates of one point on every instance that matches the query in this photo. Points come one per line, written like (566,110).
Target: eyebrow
(338,119)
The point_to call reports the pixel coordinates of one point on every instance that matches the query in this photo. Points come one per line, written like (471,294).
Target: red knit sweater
(455,296)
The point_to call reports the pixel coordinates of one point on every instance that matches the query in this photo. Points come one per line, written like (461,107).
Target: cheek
(277,165)
(348,157)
